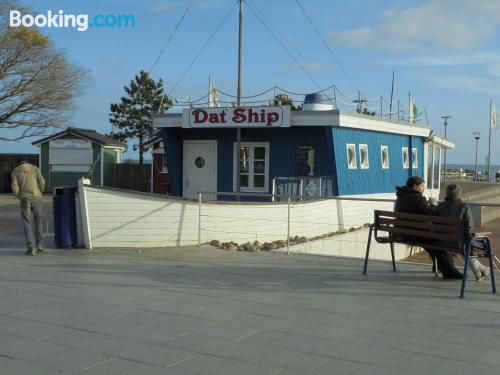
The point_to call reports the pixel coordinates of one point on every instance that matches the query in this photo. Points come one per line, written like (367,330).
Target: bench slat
(419,233)
(401,215)
(424,226)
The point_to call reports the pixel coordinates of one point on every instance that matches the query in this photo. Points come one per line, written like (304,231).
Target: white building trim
(82,194)
(325,118)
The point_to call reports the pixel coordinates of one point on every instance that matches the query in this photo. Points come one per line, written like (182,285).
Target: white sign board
(70,143)
(237,117)
(70,151)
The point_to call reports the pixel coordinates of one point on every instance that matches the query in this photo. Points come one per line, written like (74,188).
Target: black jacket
(412,201)
(456,209)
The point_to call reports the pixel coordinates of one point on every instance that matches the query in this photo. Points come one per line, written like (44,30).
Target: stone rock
(257,243)
(250,247)
(231,247)
(280,243)
(215,243)
(352,229)
(302,239)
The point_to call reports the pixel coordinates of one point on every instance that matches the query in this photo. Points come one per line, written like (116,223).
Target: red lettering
(213,118)
(252,117)
(223,117)
(239,115)
(272,117)
(200,116)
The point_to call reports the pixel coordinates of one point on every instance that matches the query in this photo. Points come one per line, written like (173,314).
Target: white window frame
(388,164)
(366,164)
(406,165)
(251,146)
(118,155)
(354,165)
(414,158)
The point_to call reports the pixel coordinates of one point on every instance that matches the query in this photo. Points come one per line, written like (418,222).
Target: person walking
(28,185)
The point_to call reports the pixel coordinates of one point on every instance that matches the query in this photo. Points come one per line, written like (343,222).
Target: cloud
(471,58)
(312,67)
(461,25)
(494,70)
(465,83)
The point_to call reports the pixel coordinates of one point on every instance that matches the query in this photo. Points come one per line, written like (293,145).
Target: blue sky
(445,53)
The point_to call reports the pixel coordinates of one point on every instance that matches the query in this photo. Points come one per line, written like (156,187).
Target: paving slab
(205,311)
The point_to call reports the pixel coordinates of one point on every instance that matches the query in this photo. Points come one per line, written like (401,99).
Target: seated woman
(454,207)
(410,199)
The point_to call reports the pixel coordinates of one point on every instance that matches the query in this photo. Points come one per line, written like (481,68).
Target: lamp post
(476,137)
(445,117)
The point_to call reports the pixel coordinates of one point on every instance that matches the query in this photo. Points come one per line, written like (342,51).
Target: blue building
(356,154)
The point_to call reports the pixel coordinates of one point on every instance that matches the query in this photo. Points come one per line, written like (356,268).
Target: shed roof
(89,134)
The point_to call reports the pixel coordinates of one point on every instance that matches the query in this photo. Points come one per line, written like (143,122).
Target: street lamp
(445,117)
(476,137)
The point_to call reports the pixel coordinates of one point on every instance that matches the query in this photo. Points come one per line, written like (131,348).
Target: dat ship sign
(237,117)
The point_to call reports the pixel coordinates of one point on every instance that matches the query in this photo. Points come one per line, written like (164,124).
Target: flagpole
(238,130)
(489,143)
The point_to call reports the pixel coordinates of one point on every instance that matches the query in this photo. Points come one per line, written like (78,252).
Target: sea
(480,167)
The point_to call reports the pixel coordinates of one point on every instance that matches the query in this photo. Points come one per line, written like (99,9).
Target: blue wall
(330,154)
(283,143)
(374,179)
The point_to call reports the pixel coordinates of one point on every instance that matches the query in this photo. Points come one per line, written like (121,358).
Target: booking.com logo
(60,20)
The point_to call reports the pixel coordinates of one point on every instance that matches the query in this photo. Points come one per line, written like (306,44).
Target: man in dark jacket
(410,200)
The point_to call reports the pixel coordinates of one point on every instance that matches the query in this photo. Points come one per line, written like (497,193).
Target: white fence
(116,218)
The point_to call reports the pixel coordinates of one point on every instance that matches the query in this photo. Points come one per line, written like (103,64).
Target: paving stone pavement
(204,311)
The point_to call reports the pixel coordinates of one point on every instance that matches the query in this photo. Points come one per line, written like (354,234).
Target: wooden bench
(431,232)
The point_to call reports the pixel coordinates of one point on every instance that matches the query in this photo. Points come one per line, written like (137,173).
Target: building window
(414,158)
(364,163)
(351,156)
(405,156)
(118,156)
(254,167)
(384,156)
(430,163)
(437,163)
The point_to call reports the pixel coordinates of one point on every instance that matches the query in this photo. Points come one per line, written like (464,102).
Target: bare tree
(37,83)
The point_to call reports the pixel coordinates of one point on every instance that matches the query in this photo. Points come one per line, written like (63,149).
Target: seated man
(410,200)
(454,207)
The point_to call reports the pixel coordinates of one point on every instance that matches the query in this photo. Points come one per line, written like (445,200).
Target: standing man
(28,185)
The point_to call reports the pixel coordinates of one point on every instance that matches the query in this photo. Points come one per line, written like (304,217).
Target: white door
(200,168)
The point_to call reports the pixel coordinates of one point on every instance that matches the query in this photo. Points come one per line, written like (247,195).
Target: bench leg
(393,258)
(368,249)
(434,266)
(466,265)
(489,251)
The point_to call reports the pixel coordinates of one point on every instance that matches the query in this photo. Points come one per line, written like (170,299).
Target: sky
(445,54)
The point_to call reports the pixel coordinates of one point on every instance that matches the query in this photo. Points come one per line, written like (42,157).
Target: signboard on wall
(237,117)
(70,143)
(70,155)
(302,160)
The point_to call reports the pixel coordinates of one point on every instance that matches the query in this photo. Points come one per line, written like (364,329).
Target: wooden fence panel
(129,176)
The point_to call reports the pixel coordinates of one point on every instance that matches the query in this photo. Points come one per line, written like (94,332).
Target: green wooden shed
(66,156)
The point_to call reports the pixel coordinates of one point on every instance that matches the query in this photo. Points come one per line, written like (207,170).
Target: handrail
(361,199)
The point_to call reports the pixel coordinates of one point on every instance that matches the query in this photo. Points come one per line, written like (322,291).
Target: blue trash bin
(63,204)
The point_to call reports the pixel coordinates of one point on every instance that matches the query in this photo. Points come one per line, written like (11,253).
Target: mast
(392,92)
(489,142)
(238,130)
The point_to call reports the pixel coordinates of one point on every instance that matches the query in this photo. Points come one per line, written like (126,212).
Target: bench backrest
(421,227)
